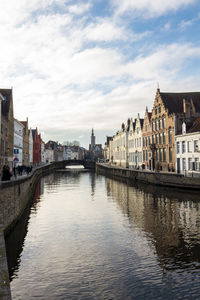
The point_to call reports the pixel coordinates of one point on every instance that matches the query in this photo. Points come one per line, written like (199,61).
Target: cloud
(71,71)
(149,8)
(79,8)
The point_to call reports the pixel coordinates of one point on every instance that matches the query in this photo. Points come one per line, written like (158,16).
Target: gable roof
(174,101)
(195,126)
(7,95)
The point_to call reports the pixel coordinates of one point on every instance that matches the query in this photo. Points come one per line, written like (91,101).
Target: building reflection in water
(15,240)
(169,217)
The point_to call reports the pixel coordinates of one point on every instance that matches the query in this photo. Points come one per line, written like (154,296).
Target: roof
(7,95)
(33,132)
(174,101)
(195,126)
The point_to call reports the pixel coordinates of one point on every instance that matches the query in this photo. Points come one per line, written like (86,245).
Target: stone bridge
(88,164)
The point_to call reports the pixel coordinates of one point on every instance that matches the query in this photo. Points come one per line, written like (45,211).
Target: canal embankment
(157,178)
(14,198)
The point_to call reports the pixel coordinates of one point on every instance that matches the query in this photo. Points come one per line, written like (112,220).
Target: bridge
(88,164)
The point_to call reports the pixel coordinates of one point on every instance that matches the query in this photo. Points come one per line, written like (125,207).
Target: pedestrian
(6,174)
(14,172)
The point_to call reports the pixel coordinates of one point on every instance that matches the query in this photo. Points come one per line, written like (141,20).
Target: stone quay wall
(158,178)
(14,197)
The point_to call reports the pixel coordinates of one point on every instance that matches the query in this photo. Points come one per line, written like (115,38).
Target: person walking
(6,174)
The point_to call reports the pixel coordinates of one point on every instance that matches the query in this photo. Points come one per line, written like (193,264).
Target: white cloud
(149,8)
(68,77)
(80,8)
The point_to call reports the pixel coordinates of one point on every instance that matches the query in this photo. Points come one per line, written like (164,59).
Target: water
(90,237)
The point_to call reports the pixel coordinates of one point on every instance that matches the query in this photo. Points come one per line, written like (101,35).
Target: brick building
(7,128)
(36,146)
(169,112)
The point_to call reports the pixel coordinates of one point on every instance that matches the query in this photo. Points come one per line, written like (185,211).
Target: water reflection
(15,241)
(169,217)
(91,237)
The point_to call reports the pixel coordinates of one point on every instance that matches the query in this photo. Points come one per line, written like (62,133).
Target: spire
(92,131)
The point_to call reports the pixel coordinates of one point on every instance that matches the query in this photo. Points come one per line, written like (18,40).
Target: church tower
(92,140)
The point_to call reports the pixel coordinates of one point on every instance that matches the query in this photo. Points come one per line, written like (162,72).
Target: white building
(135,143)
(131,145)
(18,143)
(43,153)
(120,146)
(188,148)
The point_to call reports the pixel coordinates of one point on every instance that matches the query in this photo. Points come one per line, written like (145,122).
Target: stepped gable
(174,101)
(195,126)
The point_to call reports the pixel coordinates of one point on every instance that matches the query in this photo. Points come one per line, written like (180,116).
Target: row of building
(21,145)
(167,138)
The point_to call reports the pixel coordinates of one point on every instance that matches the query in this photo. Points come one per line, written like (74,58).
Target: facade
(131,143)
(7,128)
(146,140)
(188,148)
(25,143)
(43,153)
(18,143)
(49,154)
(169,112)
(30,150)
(120,146)
(36,147)
(137,153)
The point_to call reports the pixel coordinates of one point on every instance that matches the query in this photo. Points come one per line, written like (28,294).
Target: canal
(86,236)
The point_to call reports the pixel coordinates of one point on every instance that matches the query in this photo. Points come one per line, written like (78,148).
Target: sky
(78,65)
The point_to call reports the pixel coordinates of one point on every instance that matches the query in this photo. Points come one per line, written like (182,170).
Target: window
(183,147)
(164,154)
(189,163)
(149,140)
(189,146)
(157,154)
(177,147)
(156,138)
(164,137)
(159,108)
(153,139)
(183,164)
(170,136)
(155,111)
(196,164)
(160,154)
(195,146)
(145,127)
(157,124)
(160,124)
(164,122)
(170,154)
(160,138)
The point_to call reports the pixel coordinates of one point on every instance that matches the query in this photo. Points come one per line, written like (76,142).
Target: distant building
(18,143)
(36,147)
(95,150)
(7,127)
(188,147)
(25,143)
(30,150)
